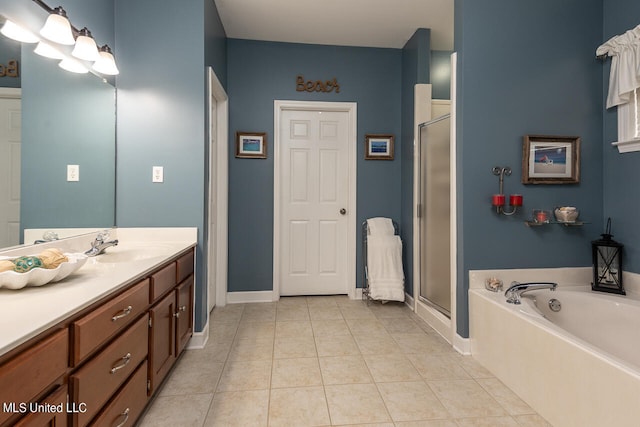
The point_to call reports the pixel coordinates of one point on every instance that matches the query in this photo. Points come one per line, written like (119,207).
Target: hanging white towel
(380,226)
(384,268)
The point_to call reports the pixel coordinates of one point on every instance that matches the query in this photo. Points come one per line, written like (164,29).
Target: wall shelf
(566,224)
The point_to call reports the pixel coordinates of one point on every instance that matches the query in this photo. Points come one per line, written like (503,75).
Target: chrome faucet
(516,289)
(99,245)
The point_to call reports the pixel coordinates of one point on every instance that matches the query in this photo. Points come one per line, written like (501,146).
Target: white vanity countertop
(29,311)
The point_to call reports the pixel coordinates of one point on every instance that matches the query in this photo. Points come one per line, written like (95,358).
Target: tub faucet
(516,289)
(99,245)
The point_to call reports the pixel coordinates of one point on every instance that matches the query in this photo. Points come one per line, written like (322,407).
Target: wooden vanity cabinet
(104,364)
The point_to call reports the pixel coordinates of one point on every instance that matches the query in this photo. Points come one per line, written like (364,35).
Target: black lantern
(607,263)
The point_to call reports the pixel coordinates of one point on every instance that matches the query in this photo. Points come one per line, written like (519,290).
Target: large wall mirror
(64,119)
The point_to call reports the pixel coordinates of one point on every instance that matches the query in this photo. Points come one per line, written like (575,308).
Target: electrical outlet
(73,173)
(158,174)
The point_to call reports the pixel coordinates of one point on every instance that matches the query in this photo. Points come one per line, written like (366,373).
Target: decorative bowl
(566,214)
(41,276)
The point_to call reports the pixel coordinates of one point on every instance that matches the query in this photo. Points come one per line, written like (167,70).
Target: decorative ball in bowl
(566,214)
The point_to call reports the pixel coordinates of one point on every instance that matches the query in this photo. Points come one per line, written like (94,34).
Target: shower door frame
(420,212)
(447,327)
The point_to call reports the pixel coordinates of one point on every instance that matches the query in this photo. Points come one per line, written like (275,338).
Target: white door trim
(352,132)
(219,177)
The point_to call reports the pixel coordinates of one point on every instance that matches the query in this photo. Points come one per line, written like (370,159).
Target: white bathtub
(577,367)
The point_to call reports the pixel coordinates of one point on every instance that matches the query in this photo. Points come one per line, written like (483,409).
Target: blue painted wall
(525,68)
(162,117)
(215,42)
(416,67)
(621,171)
(261,72)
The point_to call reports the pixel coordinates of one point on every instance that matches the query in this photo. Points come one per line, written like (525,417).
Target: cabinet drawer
(93,329)
(163,280)
(185,266)
(125,408)
(29,374)
(54,415)
(94,383)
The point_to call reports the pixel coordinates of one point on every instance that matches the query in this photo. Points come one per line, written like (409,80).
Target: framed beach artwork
(550,159)
(378,147)
(251,145)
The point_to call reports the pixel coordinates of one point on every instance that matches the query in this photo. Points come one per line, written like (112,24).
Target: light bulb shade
(106,64)
(48,51)
(73,66)
(85,47)
(16,32)
(57,28)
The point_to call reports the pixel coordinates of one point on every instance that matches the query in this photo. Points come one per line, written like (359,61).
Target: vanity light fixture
(85,47)
(106,64)
(57,28)
(498,200)
(16,32)
(73,66)
(48,51)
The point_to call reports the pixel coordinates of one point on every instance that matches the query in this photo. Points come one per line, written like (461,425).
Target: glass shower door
(434,214)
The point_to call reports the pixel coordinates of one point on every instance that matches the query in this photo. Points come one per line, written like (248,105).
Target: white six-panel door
(10,130)
(315,218)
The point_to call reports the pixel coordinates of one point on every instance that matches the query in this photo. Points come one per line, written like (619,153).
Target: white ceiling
(366,23)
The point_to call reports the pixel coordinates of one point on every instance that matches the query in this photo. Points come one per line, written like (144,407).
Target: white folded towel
(384,268)
(380,226)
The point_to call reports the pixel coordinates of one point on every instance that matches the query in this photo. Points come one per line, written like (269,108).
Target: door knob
(343,211)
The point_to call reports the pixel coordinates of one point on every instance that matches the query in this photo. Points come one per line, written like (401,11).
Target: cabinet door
(184,315)
(161,340)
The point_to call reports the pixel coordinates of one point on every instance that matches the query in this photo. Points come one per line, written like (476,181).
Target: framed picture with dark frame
(378,147)
(251,145)
(550,159)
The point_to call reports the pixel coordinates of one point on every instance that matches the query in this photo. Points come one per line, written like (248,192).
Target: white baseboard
(199,339)
(409,302)
(252,296)
(462,345)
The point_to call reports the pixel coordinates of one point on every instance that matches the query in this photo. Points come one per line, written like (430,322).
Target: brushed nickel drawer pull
(123,313)
(125,414)
(125,361)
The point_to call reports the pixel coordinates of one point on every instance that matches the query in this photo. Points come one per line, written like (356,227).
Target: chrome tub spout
(516,289)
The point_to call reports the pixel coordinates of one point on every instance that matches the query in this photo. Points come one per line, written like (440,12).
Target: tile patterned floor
(325,361)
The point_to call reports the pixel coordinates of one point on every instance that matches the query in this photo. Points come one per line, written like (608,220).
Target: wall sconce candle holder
(499,200)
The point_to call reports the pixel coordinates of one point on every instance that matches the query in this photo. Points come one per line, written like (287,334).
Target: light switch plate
(158,174)
(73,173)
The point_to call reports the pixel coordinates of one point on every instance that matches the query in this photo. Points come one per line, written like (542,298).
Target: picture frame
(548,159)
(251,145)
(379,147)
